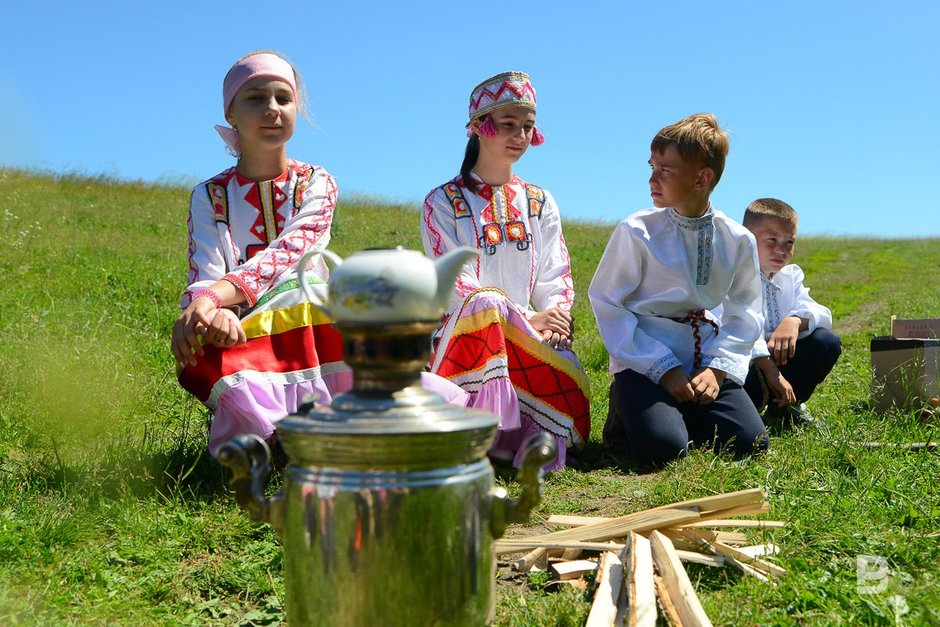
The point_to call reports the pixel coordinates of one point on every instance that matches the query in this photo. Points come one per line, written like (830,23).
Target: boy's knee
(749,441)
(658,449)
(829,344)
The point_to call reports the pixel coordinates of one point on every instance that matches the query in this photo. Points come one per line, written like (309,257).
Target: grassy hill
(112,512)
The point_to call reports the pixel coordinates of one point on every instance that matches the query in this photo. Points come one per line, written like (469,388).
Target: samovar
(388,507)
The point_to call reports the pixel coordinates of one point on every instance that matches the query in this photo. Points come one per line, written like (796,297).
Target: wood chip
(573,569)
(759,550)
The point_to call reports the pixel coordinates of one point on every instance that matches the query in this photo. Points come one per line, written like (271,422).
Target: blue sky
(832,107)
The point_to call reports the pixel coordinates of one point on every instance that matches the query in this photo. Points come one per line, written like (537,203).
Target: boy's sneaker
(800,415)
(778,418)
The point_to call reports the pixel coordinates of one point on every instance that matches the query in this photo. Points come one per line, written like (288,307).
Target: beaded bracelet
(215,298)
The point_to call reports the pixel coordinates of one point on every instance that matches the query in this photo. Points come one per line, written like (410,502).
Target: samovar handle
(539,450)
(248,457)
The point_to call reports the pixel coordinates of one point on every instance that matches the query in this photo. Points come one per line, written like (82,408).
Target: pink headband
(253,66)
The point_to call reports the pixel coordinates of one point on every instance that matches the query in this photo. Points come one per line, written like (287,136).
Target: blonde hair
(769,208)
(302,103)
(697,138)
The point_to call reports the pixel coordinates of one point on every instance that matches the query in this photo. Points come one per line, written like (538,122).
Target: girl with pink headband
(507,339)
(248,344)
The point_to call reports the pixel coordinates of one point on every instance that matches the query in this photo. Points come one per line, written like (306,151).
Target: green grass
(111,511)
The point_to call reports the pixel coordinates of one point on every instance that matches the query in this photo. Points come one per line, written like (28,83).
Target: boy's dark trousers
(660,429)
(814,358)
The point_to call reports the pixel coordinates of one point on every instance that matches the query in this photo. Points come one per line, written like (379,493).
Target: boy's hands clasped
(556,327)
(702,387)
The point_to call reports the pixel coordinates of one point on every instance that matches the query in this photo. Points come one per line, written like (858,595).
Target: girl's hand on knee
(225,330)
(676,382)
(556,327)
(188,327)
(556,320)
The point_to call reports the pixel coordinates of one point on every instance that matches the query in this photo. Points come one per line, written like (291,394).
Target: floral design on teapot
(364,293)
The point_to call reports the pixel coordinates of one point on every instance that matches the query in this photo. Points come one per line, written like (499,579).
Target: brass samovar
(388,508)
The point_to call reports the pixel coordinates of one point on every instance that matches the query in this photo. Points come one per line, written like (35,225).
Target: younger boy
(678,370)
(798,348)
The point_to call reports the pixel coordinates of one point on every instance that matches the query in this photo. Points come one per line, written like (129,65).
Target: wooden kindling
(638,582)
(598,532)
(676,581)
(608,585)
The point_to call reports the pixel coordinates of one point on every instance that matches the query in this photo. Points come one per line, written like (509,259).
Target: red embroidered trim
(215,298)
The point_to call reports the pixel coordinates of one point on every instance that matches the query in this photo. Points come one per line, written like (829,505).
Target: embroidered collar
(283,176)
(770,282)
(485,190)
(691,224)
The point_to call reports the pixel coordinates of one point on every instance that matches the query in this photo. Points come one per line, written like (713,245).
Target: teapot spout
(447,269)
(318,302)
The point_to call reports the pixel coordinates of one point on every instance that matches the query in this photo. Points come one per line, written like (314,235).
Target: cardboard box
(906,365)
(924,329)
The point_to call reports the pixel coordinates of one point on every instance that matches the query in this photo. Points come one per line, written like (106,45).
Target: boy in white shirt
(678,370)
(798,348)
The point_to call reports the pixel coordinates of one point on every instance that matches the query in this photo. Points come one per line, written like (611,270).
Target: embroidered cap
(508,89)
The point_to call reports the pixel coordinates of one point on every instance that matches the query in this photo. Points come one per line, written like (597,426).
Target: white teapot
(389,285)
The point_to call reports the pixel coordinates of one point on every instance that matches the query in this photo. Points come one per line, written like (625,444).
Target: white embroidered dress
(252,233)
(487,345)
(658,268)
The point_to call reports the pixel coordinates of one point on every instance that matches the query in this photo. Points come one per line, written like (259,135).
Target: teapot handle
(302,271)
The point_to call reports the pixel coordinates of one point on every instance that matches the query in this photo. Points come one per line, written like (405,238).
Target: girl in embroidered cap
(247,344)
(507,339)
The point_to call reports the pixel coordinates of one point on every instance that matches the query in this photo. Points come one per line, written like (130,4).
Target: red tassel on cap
(537,138)
(487,129)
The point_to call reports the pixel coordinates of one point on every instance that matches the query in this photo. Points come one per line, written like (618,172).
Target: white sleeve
(206,262)
(805,307)
(742,317)
(307,230)
(618,275)
(553,285)
(439,236)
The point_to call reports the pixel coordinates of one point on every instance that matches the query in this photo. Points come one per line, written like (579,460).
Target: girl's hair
(469,160)
(302,104)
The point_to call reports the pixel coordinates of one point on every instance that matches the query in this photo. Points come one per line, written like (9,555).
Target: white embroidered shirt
(659,267)
(785,295)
